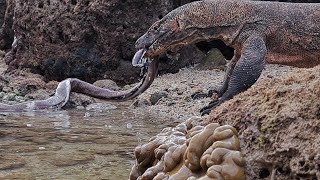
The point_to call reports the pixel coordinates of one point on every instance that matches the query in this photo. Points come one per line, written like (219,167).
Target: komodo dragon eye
(155,28)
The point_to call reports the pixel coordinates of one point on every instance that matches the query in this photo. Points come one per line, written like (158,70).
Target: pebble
(155,97)
(9,97)
(2,94)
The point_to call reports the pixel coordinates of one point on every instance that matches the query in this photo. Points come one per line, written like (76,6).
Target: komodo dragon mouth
(163,35)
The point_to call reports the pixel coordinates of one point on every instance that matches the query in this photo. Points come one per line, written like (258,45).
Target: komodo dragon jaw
(178,28)
(203,21)
(153,42)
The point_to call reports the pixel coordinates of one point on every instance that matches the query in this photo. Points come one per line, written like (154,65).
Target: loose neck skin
(210,20)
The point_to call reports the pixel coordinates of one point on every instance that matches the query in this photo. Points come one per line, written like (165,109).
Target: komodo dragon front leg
(220,90)
(202,21)
(246,71)
(289,31)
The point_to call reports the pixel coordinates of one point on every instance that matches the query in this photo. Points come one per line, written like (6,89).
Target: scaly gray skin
(67,86)
(260,32)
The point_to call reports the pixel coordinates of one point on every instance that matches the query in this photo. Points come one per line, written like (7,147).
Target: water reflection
(72,144)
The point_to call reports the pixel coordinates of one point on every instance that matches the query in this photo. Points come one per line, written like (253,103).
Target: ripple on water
(11,161)
(71,145)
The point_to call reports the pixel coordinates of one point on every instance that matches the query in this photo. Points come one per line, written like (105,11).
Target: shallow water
(72,144)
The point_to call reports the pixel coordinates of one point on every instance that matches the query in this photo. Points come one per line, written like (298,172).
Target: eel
(62,94)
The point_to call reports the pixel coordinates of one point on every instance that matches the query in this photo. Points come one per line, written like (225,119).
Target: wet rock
(9,97)
(190,151)
(77,99)
(38,94)
(52,85)
(11,162)
(27,85)
(6,89)
(107,84)
(19,99)
(141,102)
(155,97)
(100,107)
(70,159)
(213,60)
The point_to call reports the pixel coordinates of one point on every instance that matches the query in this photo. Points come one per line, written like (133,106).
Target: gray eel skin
(62,94)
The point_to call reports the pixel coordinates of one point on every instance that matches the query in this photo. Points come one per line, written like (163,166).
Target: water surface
(73,144)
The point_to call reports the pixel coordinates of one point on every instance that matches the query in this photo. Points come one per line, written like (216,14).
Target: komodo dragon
(260,32)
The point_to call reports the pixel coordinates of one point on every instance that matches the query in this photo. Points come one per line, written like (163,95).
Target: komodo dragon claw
(207,109)
(199,95)
(251,28)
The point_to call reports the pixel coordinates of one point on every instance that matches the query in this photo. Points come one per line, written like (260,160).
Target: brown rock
(141,102)
(52,85)
(27,85)
(278,121)
(107,84)
(77,99)
(155,97)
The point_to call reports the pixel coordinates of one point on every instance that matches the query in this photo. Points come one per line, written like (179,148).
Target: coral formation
(190,151)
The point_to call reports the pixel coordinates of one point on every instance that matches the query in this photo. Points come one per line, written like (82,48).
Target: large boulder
(79,38)
(278,124)
(2,10)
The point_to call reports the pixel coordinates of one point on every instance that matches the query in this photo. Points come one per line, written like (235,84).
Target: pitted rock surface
(2,11)
(278,122)
(83,39)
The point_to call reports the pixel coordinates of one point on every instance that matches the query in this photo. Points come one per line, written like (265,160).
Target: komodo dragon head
(188,24)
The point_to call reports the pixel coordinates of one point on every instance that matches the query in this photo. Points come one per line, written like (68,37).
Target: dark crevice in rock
(264,173)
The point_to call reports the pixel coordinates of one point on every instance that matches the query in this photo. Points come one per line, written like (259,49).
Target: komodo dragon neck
(291,31)
(260,32)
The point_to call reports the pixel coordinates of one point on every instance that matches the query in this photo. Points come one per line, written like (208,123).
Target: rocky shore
(271,131)
(277,120)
